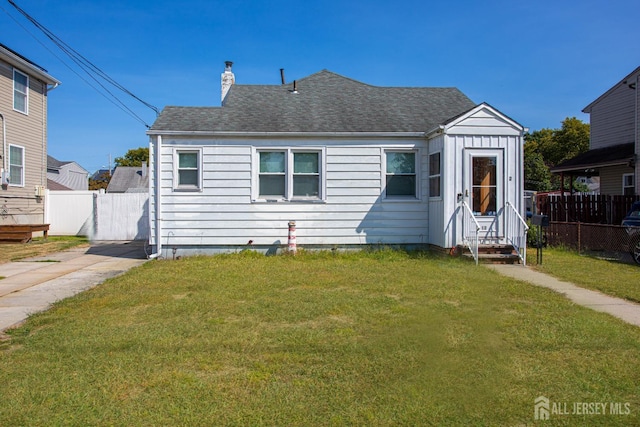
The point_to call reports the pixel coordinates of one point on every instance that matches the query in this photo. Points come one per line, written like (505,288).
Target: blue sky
(536,61)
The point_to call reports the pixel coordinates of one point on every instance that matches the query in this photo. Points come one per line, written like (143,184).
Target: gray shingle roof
(128,179)
(324,102)
(54,164)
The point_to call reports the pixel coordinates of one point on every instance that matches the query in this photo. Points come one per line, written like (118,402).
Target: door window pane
(484,187)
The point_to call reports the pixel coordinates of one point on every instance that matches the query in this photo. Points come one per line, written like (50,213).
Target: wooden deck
(21,233)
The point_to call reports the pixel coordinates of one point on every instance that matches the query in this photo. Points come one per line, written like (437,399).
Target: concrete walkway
(33,284)
(622,309)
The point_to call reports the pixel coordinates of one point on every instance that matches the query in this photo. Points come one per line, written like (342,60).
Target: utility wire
(87,66)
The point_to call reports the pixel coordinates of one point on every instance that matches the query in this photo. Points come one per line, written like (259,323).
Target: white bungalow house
(352,164)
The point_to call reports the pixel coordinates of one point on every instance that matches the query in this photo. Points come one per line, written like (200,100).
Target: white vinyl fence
(98,215)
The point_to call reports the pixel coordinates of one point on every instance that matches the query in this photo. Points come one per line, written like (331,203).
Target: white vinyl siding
(227,212)
(20,92)
(16,165)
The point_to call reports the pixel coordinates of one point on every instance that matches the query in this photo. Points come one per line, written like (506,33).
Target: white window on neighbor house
(188,170)
(20,92)
(401,177)
(16,165)
(289,174)
(628,184)
(434,175)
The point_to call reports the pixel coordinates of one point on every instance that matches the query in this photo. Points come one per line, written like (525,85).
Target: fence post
(579,238)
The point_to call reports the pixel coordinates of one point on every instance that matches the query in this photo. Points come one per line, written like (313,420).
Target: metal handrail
(516,231)
(470,229)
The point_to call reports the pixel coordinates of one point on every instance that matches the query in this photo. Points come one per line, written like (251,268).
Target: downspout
(4,144)
(43,170)
(157,220)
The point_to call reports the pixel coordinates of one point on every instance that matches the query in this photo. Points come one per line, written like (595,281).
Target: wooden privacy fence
(592,209)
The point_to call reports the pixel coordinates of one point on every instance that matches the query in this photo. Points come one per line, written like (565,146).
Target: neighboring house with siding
(614,142)
(68,174)
(24,87)
(352,164)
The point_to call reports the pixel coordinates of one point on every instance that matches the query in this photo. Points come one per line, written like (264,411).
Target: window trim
(25,94)
(418,193)
(176,169)
(633,183)
(22,167)
(288,172)
(438,175)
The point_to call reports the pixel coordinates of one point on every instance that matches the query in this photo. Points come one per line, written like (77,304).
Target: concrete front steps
(493,254)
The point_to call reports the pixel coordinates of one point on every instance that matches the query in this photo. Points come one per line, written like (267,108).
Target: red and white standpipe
(292,237)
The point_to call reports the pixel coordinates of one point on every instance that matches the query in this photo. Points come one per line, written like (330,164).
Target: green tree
(546,148)
(133,157)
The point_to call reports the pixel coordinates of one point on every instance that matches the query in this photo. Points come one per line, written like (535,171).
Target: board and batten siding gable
(482,128)
(224,214)
(28,131)
(612,119)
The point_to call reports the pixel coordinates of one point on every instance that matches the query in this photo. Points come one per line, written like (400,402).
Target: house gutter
(435,131)
(288,134)
(158,196)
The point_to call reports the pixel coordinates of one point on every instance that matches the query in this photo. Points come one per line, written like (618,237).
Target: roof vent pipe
(282,75)
(295,87)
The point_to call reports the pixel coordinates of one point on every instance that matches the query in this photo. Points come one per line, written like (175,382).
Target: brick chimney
(227,80)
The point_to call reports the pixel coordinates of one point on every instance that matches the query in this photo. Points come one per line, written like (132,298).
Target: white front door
(484,191)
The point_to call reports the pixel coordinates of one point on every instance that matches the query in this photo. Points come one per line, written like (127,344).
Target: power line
(93,71)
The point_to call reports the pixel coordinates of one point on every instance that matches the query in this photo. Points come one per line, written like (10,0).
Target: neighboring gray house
(129,179)
(352,164)
(68,174)
(615,140)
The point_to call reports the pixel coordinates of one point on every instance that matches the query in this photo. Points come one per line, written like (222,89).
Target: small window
(188,170)
(20,92)
(401,174)
(628,184)
(16,165)
(434,175)
(289,174)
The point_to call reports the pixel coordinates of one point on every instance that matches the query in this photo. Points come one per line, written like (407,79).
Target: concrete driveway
(33,284)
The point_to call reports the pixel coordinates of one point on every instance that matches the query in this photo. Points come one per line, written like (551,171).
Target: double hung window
(401,178)
(188,170)
(288,174)
(20,92)
(16,165)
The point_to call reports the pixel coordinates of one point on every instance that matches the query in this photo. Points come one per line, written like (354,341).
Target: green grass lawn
(39,246)
(381,338)
(610,277)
